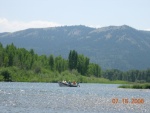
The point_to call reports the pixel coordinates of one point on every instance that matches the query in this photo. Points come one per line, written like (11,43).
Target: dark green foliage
(136,86)
(113,74)
(146,86)
(37,67)
(6,75)
(60,64)
(82,64)
(73,58)
(33,64)
(139,76)
(94,69)
(51,62)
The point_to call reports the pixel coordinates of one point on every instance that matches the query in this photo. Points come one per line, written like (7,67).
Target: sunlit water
(89,98)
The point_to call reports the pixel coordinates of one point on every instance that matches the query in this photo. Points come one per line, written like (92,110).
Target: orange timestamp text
(127,101)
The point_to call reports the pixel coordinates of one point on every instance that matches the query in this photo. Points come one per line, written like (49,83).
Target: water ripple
(89,98)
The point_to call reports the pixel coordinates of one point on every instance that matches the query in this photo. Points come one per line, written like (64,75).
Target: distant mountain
(119,47)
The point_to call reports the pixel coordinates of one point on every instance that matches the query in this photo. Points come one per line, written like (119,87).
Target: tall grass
(136,86)
(22,75)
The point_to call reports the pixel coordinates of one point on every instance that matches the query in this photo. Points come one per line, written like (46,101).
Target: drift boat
(66,84)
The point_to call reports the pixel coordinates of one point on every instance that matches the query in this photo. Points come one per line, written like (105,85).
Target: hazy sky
(21,14)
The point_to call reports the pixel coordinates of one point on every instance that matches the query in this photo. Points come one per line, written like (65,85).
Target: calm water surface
(89,98)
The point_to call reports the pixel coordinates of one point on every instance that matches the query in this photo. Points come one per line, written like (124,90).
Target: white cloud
(95,26)
(147,29)
(11,26)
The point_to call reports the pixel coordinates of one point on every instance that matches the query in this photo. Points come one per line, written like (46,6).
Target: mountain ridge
(119,47)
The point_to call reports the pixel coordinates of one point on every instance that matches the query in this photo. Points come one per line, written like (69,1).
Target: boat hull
(61,84)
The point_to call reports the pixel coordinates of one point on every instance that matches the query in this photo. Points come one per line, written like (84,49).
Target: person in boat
(64,81)
(74,83)
(69,82)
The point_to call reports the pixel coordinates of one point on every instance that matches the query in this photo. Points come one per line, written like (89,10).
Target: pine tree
(51,62)
(73,57)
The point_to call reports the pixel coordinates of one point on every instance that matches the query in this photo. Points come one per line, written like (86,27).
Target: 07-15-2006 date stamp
(128,101)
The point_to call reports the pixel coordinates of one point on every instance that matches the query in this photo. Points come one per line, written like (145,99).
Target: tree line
(29,60)
(140,76)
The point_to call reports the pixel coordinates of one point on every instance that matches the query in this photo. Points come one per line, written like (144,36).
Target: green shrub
(6,75)
(1,78)
(136,86)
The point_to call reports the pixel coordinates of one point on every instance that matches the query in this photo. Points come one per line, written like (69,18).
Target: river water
(17,97)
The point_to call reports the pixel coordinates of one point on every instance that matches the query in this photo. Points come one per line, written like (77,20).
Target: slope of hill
(119,47)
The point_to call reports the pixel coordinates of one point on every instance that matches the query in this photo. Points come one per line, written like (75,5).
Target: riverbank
(14,74)
(136,86)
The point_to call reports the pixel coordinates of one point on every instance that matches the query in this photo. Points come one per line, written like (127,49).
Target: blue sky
(21,14)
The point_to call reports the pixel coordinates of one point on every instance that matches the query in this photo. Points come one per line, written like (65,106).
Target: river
(19,97)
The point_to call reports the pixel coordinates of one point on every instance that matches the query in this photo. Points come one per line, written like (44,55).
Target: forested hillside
(19,64)
(112,47)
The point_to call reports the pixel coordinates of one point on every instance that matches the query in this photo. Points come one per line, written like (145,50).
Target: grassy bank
(136,86)
(16,74)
